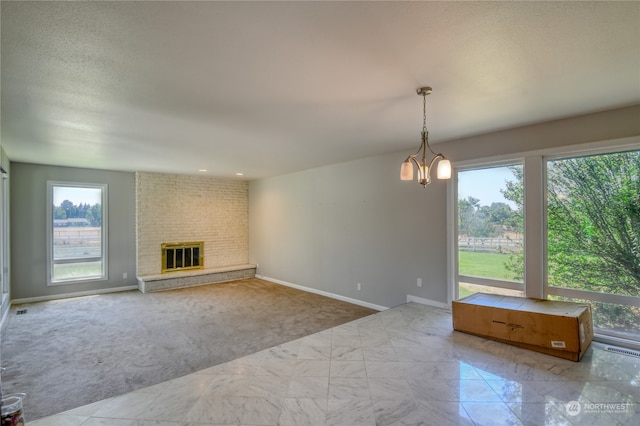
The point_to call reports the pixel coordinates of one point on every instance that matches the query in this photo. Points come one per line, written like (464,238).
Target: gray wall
(603,126)
(326,228)
(28,186)
(332,227)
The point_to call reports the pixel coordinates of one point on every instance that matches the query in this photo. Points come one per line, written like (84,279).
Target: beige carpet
(72,352)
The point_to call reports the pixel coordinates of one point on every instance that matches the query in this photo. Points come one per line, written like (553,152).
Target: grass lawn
(464,291)
(484,265)
(70,271)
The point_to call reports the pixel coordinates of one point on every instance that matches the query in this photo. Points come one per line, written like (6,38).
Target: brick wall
(175,208)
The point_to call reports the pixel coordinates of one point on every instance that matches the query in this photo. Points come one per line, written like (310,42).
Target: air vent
(622,351)
(21,311)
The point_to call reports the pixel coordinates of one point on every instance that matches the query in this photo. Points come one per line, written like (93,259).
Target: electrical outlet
(359,286)
(419,282)
(124,275)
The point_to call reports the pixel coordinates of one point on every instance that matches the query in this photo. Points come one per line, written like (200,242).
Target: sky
(76,195)
(485,184)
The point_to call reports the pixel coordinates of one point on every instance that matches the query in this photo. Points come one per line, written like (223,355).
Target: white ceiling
(273,87)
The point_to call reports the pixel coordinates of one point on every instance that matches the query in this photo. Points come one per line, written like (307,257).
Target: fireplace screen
(182,256)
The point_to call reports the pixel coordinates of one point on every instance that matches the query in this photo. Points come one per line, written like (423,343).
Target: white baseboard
(69,295)
(324,293)
(427,302)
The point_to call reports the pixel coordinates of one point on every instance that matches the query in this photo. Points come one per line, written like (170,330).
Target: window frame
(609,298)
(535,222)
(491,282)
(104,276)
(4,233)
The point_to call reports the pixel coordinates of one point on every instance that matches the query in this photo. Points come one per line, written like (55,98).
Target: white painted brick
(175,208)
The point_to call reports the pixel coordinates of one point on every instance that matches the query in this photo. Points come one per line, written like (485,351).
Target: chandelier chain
(424,112)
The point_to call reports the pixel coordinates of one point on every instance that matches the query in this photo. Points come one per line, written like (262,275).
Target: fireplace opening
(182,256)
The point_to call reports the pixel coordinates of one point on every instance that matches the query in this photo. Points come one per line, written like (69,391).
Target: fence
(76,235)
(490,245)
(77,242)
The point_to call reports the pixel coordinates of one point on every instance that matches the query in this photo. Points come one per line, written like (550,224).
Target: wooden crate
(562,329)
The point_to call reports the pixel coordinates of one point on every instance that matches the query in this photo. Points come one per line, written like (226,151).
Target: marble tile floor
(402,366)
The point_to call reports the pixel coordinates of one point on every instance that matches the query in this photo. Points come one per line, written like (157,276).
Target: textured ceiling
(273,87)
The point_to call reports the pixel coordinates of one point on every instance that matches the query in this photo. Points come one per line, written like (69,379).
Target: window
(576,218)
(77,237)
(593,237)
(490,231)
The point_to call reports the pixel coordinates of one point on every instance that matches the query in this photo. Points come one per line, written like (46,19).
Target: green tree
(483,226)
(467,215)
(94,215)
(500,218)
(484,221)
(83,209)
(69,209)
(594,223)
(59,213)
(593,229)
(514,192)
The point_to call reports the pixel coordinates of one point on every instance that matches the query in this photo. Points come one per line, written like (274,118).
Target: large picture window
(77,237)
(593,237)
(490,231)
(572,219)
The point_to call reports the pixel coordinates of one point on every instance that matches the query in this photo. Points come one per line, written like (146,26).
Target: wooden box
(562,329)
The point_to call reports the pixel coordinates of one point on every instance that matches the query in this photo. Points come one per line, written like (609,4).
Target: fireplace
(182,256)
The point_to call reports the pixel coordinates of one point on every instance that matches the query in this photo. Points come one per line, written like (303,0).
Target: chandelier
(424,168)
